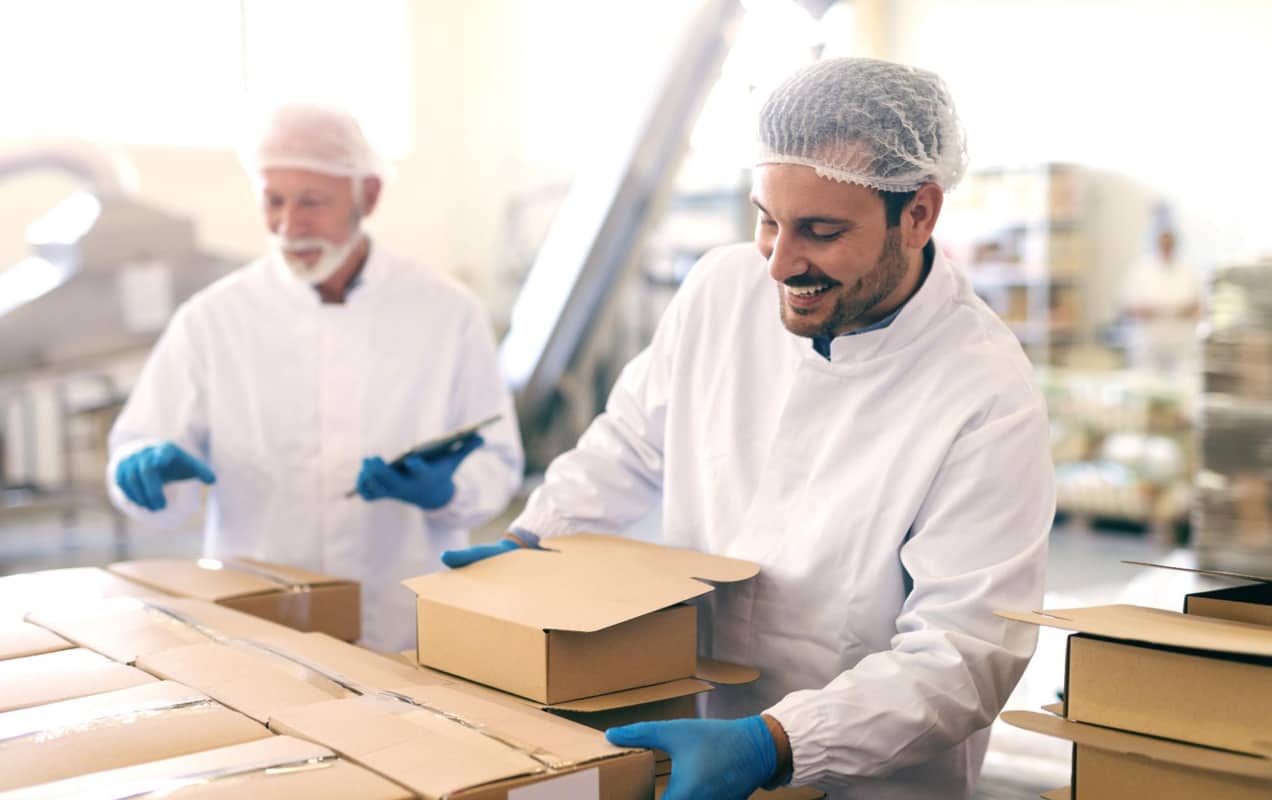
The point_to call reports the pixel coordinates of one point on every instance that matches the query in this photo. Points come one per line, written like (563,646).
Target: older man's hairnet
(312,137)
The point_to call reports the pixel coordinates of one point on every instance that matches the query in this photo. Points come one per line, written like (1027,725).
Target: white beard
(332,256)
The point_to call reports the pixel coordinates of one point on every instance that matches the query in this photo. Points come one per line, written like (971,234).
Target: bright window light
(28,279)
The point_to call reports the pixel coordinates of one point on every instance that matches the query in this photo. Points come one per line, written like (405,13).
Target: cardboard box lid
(19,639)
(447,741)
(1155,626)
(212,579)
(60,675)
(262,760)
(107,708)
(125,628)
(31,591)
(262,677)
(585,583)
(1163,750)
(1218,573)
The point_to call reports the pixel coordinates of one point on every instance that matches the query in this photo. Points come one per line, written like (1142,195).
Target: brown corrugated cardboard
(29,591)
(114,729)
(446,743)
(21,639)
(263,677)
(1251,602)
(592,615)
(62,675)
(1063,793)
(1167,674)
(1116,764)
(126,628)
(274,768)
(297,598)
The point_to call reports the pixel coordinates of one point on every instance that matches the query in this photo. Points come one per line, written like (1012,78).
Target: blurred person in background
(283,385)
(1161,305)
(835,403)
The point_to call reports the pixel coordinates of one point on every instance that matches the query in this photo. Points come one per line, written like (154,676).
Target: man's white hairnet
(312,137)
(882,125)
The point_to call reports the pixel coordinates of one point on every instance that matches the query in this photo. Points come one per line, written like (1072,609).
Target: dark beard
(866,296)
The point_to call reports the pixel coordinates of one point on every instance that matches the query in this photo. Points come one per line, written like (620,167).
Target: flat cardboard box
(592,615)
(1115,764)
(274,768)
(261,678)
(1162,673)
(125,628)
(114,729)
(303,600)
(31,591)
(446,743)
(1251,602)
(20,639)
(62,675)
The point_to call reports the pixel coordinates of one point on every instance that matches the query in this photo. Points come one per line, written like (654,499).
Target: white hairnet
(886,126)
(312,137)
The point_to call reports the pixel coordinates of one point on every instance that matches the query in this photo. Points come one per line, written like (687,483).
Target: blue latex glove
(462,558)
(711,759)
(141,476)
(420,482)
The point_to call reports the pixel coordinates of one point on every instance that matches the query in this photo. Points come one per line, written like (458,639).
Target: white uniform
(894,496)
(284,396)
(1166,343)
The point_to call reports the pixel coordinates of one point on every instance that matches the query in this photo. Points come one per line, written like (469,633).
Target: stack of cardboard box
(1165,705)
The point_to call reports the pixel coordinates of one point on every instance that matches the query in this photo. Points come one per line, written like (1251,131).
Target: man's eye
(824,236)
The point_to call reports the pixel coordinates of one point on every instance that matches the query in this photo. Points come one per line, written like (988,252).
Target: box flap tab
(1163,750)
(1155,626)
(634,697)
(725,673)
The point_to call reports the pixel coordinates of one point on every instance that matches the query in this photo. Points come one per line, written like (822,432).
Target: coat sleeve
(613,476)
(167,404)
(487,479)
(978,544)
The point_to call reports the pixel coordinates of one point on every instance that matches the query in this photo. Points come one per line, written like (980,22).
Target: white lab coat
(284,396)
(1167,343)
(894,496)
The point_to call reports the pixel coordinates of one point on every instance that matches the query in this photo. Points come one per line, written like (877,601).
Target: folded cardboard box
(31,591)
(124,628)
(444,743)
(1115,765)
(62,675)
(297,598)
(114,729)
(1249,602)
(20,639)
(1162,673)
(591,615)
(274,768)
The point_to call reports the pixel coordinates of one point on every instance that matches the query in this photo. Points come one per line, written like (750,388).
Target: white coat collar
(929,303)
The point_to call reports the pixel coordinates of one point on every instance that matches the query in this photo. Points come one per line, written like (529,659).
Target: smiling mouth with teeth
(807,291)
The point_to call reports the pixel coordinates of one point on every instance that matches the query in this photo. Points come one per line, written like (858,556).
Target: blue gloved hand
(141,476)
(424,483)
(711,759)
(462,558)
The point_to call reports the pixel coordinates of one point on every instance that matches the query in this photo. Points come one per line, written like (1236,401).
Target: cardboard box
(445,743)
(1063,793)
(114,729)
(1251,602)
(593,615)
(297,598)
(1162,673)
(274,768)
(62,675)
(1115,764)
(20,639)
(125,628)
(263,677)
(30,591)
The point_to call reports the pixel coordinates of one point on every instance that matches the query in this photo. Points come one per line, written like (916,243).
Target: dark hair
(893,204)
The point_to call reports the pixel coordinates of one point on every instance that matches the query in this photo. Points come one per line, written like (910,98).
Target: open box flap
(1155,626)
(1241,576)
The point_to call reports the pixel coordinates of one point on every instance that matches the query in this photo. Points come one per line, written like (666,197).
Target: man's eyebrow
(811,220)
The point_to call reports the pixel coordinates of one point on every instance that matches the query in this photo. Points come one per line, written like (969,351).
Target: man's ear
(919,216)
(370,194)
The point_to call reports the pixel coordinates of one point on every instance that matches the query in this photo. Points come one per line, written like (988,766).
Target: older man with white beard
(280,383)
